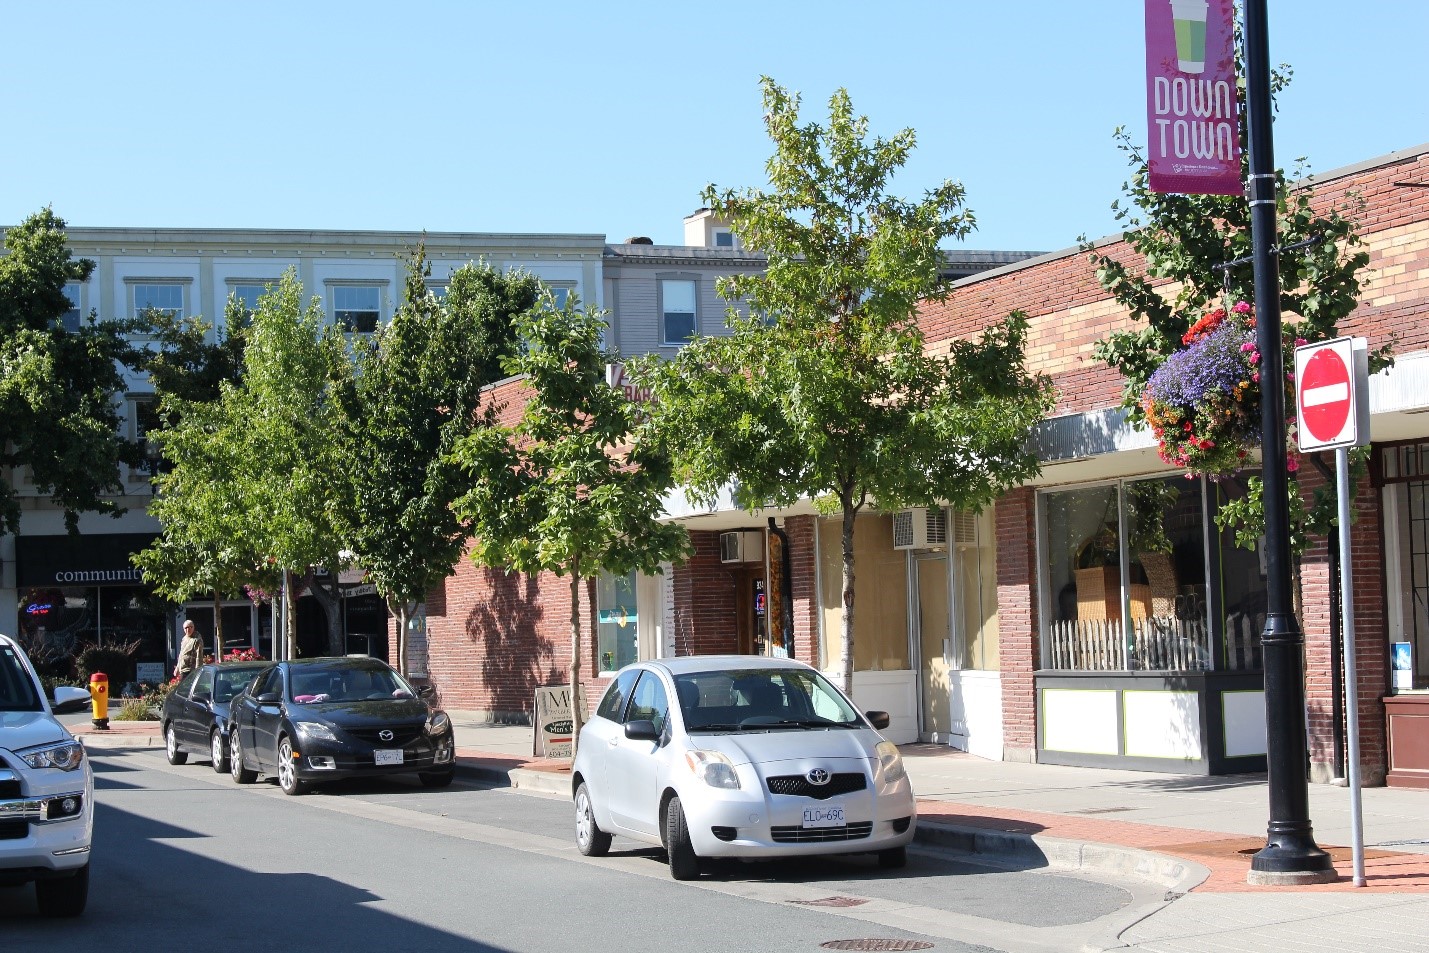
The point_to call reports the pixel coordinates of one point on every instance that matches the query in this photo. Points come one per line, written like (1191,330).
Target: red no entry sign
(1330,393)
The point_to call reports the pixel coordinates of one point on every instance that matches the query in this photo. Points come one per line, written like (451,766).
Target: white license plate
(830,815)
(389,757)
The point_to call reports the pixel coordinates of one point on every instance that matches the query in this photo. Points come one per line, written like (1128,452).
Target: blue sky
(609,118)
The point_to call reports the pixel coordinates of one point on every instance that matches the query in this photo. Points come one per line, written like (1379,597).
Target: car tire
(590,839)
(894,858)
(684,862)
(288,778)
(436,779)
(63,896)
(218,751)
(236,770)
(171,746)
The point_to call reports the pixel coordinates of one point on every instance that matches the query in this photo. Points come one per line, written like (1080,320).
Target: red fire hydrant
(99,698)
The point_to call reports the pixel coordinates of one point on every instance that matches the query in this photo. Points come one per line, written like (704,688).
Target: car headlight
(713,768)
(67,756)
(437,722)
(315,730)
(890,762)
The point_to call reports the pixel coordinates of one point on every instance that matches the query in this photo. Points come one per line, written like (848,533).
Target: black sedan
(313,720)
(195,716)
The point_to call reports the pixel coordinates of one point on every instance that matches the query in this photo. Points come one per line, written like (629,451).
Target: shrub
(115,660)
(137,709)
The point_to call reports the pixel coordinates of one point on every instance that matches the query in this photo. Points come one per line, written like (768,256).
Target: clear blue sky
(610,117)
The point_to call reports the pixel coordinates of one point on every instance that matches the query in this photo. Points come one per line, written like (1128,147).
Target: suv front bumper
(45,827)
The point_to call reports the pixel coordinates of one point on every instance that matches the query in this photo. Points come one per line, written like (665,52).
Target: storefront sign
(552,731)
(1192,121)
(88,560)
(617,377)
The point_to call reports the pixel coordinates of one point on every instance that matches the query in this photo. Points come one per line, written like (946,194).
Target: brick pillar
(704,601)
(803,560)
(1015,515)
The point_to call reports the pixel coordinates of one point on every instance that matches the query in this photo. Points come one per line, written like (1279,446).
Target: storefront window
(880,616)
(617,626)
(975,566)
(1126,579)
(66,619)
(1405,473)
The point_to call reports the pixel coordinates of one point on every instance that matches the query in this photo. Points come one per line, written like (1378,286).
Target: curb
(1001,848)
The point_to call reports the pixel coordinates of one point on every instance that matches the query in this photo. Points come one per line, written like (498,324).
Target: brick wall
(803,559)
(1017,623)
(704,601)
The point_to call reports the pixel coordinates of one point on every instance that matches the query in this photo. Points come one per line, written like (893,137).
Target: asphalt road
(185,858)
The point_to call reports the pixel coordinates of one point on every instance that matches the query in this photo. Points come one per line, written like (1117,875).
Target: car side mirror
(642,729)
(878,719)
(426,691)
(269,698)
(68,698)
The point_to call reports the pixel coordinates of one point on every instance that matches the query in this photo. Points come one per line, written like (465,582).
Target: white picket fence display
(1156,644)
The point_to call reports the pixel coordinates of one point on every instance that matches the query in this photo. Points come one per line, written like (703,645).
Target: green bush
(115,660)
(137,709)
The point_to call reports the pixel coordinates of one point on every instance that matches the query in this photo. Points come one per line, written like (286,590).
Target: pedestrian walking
(190,651)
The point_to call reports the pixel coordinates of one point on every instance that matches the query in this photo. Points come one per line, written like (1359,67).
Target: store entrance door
(931,612)
(751,611)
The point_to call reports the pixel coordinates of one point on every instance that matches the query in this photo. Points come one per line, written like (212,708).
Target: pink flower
(1247,346)
(1255,377)
(1241,307)
(1301,342)
(1255,357)
(1292,464)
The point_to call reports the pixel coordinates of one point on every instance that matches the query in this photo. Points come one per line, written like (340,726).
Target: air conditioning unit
(745,546)
(964,527)
(920,528)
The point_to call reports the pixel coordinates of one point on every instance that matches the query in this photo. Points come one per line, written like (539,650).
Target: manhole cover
(876,945)
(832,902)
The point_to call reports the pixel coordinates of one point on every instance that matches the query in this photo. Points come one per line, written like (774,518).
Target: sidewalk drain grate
(878,945)
(832,902)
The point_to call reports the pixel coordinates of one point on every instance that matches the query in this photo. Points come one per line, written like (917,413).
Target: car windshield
(347,683)
(762,699)
(227,683)
(17,689)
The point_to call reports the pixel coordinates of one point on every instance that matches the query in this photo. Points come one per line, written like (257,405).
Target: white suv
(46,793)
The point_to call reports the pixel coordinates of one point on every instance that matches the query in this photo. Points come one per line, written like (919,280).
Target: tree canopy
(827,391)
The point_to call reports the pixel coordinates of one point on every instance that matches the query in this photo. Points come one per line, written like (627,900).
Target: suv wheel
(63,896)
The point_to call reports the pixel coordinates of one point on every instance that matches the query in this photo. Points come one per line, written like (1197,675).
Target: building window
(158,296)
(248,293)
(677,310)
(560,292)
(1404,472)
(723,238)
(357,309)
(617,625)
(70,320)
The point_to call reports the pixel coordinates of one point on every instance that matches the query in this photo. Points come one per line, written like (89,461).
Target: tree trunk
(846,663)
(331,601)
(217,626)
(577,709)
(290,618)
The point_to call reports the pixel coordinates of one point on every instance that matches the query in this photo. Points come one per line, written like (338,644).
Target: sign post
(1332,408)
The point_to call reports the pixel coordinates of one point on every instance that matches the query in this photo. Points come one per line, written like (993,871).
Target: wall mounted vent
(920,528)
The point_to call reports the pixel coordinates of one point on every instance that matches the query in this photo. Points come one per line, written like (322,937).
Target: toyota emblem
(386,735)
(818,776)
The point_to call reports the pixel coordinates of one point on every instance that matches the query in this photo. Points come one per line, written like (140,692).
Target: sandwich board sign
(1332,394)
(553,721)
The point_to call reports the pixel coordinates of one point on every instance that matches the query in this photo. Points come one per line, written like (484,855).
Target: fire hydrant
(99,698)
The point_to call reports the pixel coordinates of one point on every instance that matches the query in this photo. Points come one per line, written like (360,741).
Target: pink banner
(1193,142)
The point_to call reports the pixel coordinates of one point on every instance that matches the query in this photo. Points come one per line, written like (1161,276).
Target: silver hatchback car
(738,756)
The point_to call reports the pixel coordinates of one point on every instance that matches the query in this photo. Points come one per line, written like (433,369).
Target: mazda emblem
(818,776)
(386,735)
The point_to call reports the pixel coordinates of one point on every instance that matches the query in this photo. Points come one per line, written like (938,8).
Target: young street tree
(573,488)
(828,392)
(413,397)
(58,413)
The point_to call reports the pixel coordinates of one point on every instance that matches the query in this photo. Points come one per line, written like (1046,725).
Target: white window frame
(377,285)
(262,284)
(660,283)
(74,317)
(132,286)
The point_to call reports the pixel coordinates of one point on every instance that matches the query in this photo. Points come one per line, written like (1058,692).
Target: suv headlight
(890,762)
(67,756)
(315,730)
(713,768)
(437,723)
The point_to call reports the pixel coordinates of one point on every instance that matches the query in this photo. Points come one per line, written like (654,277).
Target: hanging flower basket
(1203,402)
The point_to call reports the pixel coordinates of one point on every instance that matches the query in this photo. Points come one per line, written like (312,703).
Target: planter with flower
(1203,402)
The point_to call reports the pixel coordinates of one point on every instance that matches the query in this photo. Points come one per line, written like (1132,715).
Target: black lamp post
(152,457)
(1290,855)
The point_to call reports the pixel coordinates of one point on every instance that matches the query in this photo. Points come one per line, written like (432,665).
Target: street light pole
(1290,855)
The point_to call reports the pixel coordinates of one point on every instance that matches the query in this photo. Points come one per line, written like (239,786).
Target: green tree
(414,396)
(573,488)
(58,413)
(829,393)
(1186,243)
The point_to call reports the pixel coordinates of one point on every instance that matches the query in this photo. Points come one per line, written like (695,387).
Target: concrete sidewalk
(1191,835)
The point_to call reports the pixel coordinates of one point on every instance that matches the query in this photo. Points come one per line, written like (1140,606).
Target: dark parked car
(313,720)
(195,717)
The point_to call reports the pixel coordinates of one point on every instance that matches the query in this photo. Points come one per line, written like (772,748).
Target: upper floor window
(71,318)
(248,294)
(723,238)
(160,296)
(357,309)
(560,294)
(677,310)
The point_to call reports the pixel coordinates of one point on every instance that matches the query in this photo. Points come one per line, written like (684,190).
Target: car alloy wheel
(287,771)
(218,751)
(171,746)
(236,770)
(590,839)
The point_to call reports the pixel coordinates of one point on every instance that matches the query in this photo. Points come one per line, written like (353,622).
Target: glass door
(935,645)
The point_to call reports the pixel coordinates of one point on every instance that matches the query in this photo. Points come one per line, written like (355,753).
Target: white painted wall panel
(1079,720)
